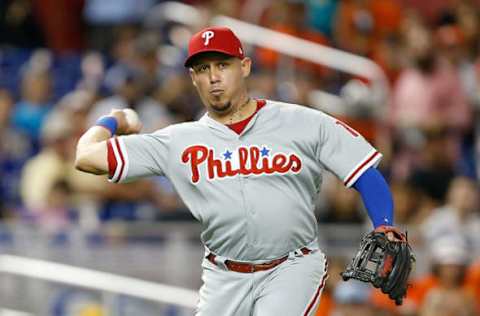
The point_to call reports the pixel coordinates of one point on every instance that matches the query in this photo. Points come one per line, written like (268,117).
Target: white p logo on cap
(207,35)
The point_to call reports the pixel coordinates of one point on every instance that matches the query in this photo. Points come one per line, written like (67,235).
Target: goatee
(222,108)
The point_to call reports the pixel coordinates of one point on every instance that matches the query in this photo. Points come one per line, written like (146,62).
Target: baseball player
(249,171)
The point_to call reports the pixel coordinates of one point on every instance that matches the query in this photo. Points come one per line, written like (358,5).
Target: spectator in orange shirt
(473,281)
(289,18)
(450,260)
(448,277)
(362,24)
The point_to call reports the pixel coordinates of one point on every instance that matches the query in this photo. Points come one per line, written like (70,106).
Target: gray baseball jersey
(253,193)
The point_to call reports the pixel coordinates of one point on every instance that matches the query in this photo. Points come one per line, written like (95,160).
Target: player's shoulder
(180,128)
(292,109)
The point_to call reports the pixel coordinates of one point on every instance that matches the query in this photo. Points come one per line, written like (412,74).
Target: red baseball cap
(214,39)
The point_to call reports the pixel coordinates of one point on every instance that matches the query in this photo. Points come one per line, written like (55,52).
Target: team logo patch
(207,36)
(243,161)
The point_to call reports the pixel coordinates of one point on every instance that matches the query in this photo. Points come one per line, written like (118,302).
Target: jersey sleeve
(343,151)
(140,155)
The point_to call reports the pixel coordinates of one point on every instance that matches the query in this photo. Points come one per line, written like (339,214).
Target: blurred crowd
(65,63)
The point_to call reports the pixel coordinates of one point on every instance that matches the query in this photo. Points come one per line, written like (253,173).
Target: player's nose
(214,75)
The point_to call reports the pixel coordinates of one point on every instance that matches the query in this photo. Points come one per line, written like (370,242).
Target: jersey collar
(211,123)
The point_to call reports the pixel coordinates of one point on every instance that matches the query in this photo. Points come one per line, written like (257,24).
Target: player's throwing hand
(128,121)
(92,147)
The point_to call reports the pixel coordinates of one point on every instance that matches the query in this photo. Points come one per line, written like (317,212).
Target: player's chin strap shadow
(384,263)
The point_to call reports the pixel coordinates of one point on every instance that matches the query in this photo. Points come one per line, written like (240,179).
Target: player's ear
(246,65)
(192,76)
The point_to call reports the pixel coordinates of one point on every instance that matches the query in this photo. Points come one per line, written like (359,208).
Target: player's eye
(222,65)
(202,68)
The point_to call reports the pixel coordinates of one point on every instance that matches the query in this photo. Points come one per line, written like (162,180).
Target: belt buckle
(252,268)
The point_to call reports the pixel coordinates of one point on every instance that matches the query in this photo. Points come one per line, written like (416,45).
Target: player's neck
(241,110)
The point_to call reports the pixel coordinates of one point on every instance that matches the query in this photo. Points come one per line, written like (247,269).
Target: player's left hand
(392,233)
(386,262)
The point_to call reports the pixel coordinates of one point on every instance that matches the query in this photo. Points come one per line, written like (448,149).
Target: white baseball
(132,118)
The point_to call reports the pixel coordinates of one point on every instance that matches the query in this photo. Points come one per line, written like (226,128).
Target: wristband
(108,122)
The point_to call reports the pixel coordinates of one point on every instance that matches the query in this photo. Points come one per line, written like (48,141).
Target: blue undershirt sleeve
(376,197)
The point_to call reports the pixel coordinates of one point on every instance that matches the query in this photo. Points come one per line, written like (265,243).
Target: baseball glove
(384,259)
